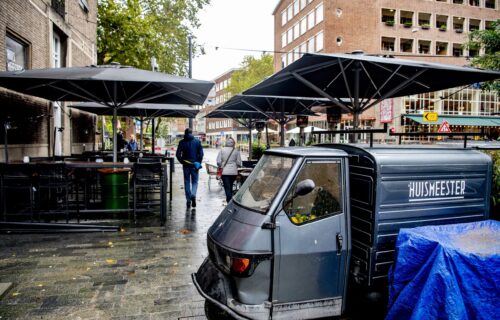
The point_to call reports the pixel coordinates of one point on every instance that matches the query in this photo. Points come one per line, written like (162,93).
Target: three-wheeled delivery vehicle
(311,222)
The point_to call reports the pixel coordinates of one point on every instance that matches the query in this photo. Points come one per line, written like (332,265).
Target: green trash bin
(115,187)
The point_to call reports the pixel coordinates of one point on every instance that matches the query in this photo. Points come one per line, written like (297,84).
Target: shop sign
(386,111)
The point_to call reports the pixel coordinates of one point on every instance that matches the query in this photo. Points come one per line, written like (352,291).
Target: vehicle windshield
(261,187)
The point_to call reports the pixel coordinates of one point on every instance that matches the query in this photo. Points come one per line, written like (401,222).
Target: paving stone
(143,272)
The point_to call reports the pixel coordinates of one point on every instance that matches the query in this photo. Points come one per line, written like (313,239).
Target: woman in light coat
(229,159)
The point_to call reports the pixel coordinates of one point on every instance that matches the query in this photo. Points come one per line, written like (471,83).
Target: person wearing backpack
(229,159)
(190,154)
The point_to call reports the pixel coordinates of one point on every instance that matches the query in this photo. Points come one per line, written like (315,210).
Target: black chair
(148,186)
(52,185)
(249,163)
(17,190)
(149,160)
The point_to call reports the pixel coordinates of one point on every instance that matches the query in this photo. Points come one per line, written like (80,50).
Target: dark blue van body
(404,187)
(302,268)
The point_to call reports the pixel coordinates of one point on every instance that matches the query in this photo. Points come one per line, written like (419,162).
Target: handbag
(219,170)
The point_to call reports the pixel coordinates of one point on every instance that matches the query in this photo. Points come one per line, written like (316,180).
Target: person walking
(229,159)
(190,154)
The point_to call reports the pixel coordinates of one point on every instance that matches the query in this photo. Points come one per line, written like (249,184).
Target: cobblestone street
(142,272)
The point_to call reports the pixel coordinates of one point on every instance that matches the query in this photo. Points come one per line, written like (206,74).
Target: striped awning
(482,121)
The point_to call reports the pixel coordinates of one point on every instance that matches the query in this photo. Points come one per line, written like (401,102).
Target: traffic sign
(445,127)
(430,116)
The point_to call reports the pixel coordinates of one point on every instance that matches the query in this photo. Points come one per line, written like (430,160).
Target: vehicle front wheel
(213,312)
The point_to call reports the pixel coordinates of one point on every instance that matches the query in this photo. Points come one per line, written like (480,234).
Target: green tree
(252,71)
(131,32)
(488,39)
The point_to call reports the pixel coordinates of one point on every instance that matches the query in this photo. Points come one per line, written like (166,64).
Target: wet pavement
(142,272)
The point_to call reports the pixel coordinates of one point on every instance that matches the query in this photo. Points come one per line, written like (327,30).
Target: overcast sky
(239,24)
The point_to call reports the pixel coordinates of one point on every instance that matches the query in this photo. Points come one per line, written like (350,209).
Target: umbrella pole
(153,136)
(5,144)
(115,144)
(142,133)
(103,124)
(282,133)
(250,140)
(302,138)
(268,145)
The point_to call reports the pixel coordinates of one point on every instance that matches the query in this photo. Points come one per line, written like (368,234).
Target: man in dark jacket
(190,154)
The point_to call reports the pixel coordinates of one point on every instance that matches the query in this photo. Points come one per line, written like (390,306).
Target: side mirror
(304,187)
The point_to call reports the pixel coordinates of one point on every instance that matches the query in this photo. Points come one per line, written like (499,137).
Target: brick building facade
(219,129)
(431,30)
(45,34)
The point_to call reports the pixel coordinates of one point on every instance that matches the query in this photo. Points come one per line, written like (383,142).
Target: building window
(424,20)
(283,18)
(303,26)
(458,50)
(489,104)
(310,45)
(458,1)
(406,18)
(290,57)
(283,39)
(296,31)
(289,11)
(388,16)
(474,3)
(419,103)
(283,61)
(474,24)
(296,54)
(84,5)
(441,22)
(473,51)
(303,48)
(406,45)
(289,35)
(319,13)
(16,54)
(388,44)
(457,103)
(490,4)
(303,4)
(295,7)
(488,25)
(424,47)
(441,48)
(310,20)
(56,53)
(319,42)
(458,24)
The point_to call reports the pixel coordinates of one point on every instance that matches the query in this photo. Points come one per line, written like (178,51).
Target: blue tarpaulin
(446,272)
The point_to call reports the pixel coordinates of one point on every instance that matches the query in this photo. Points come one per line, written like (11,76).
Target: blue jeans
(190,182)
(228,182)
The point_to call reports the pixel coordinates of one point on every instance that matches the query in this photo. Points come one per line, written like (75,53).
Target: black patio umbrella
(364,80)
(279,109)
(248,110)
(143,111)
(113,85)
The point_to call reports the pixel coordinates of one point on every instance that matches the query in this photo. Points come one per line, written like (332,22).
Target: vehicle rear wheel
(213,312)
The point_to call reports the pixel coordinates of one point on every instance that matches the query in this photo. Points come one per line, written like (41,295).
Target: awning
(484,121)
